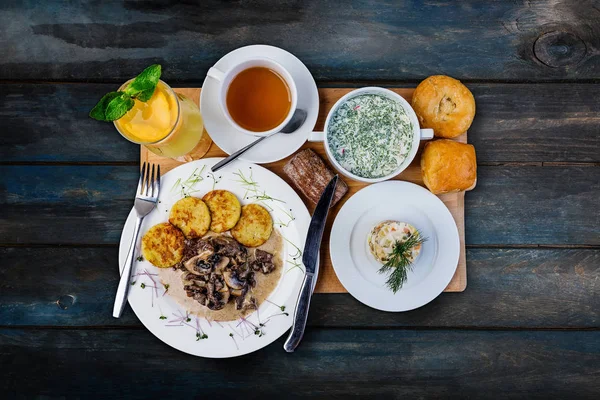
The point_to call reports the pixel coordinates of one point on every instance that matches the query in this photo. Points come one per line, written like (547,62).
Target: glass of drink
(169,125)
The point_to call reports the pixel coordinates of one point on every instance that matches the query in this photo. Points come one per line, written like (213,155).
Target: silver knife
(309,259)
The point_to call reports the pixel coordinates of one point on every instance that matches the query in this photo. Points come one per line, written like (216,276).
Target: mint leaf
(118,106)
(99,110)
(142,87)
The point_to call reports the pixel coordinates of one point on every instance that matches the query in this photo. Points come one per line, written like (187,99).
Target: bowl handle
(426,134)
(316,136)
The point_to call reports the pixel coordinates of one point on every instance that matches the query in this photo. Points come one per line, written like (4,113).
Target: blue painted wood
(342,363)
(65,204)
(48,287)
(50,123)
(89,205)
(507,288)
(534,205)
(514,123)
(385,40)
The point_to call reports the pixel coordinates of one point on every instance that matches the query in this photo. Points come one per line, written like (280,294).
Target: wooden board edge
(457,284)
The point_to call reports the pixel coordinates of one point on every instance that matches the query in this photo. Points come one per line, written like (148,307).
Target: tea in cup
(257,96)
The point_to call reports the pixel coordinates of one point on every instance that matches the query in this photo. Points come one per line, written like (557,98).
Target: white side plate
(357,268)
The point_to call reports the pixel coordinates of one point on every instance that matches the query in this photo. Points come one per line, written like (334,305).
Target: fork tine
(148,177)
(151,181)
(141,181)
(156,188)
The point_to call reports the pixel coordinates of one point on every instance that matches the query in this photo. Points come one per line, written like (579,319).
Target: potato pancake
(254,227)
(163,245)
(224,209)
(191,215)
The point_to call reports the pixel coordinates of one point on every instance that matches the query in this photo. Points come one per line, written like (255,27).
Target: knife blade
(309,259)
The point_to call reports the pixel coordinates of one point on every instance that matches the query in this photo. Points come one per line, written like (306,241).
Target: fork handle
(123,290)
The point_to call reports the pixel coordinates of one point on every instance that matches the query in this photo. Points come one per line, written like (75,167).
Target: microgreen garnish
(400,262)
(187,187)
(140,258)
(290,218)
(294,264)
(200,336)
(133,283)
(282,307)
(214,178)
(249,184)
(143,285)
(114,105)
(162,317)
(234,341)
(298,252)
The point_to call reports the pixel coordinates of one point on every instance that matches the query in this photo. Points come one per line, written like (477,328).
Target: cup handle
(215,74)
(426,134)
(316,136)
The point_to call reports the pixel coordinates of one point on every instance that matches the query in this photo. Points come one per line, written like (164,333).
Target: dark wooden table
(527,325)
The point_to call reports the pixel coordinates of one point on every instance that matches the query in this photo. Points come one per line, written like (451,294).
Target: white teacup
(225,78)
(418,133)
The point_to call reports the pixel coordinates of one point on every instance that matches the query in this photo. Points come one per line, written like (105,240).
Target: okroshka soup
(372,134)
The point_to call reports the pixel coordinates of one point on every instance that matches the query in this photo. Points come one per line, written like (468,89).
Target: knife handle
(300,314)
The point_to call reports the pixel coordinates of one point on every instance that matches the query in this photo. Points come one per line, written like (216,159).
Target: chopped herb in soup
(370,135)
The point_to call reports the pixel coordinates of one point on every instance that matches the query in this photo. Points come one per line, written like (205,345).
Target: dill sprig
(399,262)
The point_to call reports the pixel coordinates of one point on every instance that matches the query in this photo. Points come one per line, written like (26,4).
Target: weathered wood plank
(333,363)
(514,123)
(65,204)
(387,40)
(50,123)
(89,205)
(508,288)
(534,205)
(536,123)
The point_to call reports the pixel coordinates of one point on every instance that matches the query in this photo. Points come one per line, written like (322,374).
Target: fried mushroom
(233,280)
(197,264)
(263,261)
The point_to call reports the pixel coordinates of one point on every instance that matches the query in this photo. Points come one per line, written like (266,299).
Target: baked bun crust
(448,166)
(444,105)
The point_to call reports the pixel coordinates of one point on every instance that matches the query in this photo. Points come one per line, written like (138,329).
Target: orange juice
(169,124)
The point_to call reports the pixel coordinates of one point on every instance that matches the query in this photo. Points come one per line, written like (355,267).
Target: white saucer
(279,146)
(356,267)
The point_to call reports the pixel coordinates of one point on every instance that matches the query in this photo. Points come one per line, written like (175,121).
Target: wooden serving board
(328,281)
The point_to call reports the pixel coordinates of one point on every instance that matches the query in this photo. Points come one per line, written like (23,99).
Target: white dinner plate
(277,147)
(356,267)
(165,318)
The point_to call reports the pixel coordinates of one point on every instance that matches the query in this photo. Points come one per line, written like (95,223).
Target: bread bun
(448,166)
(444,105)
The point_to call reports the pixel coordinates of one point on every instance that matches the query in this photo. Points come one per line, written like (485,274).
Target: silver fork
(145,201)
